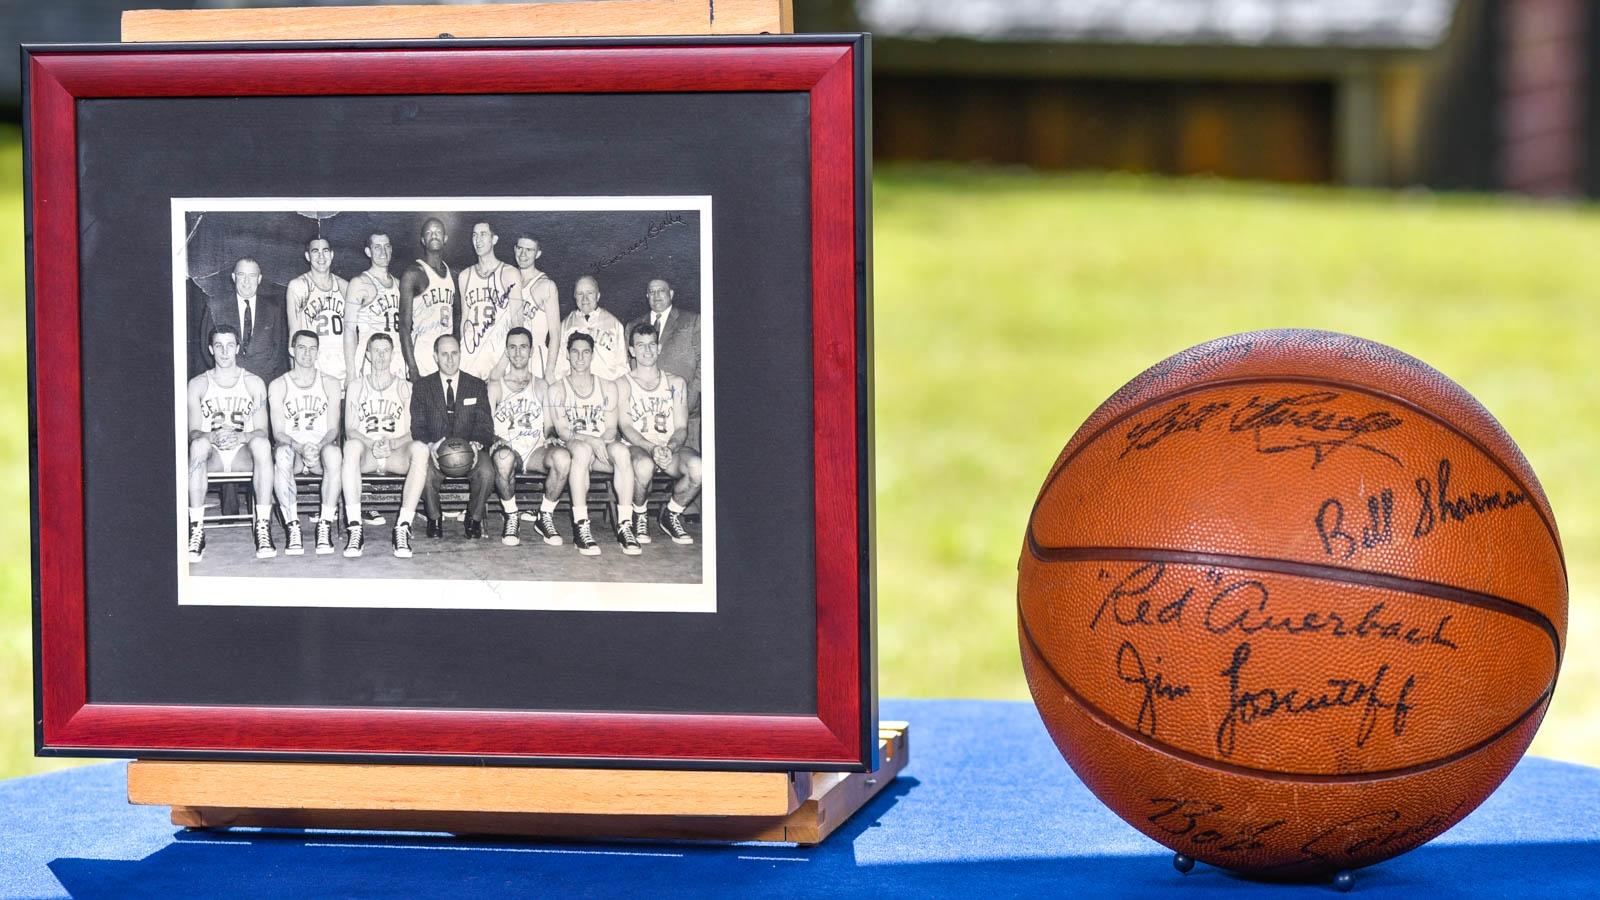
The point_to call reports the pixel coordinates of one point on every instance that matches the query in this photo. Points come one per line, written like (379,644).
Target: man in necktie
(256,308)
(679,333)
(449,403)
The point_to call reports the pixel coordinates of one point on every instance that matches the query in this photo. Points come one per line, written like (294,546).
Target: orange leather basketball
(1291,602)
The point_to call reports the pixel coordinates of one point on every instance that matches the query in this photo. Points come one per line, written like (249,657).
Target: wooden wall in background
(1275,131)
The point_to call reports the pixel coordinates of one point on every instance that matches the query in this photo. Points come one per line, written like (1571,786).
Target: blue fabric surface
(986,807)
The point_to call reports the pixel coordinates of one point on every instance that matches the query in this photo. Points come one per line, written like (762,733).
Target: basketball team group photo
(509,394)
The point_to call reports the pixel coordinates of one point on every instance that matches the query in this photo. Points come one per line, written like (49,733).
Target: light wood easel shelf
(329,23)
(799,807)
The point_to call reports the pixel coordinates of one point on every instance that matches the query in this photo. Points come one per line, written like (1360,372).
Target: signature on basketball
(1131,670)
(1384,830)
(1246,707)
(1198,822)
(1244,606)
(1437,507)
(1301,422)
(1460,507)
(1170,421)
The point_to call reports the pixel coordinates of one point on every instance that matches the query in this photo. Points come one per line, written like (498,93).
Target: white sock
(547,505)
(641,509)
(197,513)
(673,505)
(580,512)
(326,514)
(263,513)
(510,506)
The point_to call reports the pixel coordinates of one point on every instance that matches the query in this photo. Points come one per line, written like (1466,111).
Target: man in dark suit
(449,403)
(679,334)
(256,308)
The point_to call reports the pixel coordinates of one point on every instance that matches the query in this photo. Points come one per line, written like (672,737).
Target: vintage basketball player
(428,303)
(655,425)
(316,304)
(541,305)
(491,305)
(604,330)
(374,305)
(377,422)
(585,407)
(304,407)
(522,428)
(228,433)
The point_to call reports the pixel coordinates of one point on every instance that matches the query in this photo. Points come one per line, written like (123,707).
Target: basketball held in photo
(1291,602)
(456,457)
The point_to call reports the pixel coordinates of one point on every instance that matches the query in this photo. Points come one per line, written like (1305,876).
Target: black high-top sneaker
(264,547)
(625,537)
(400,536)
(544,525)
(584,538)
(352,540)
(324,537)
(292,543)
(197,541)
(672,524)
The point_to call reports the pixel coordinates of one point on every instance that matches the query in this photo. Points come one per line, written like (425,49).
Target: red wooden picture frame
(842,733)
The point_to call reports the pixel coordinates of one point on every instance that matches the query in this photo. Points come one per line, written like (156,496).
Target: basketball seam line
(1380,580)
(1538,508)
(1162,747)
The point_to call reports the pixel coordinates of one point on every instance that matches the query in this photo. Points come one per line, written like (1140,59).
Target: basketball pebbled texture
(1291,602)
(456,457)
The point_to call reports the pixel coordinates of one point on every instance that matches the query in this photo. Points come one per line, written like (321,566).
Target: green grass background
(1009,305)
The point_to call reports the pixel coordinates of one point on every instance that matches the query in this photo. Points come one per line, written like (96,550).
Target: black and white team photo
(445,402)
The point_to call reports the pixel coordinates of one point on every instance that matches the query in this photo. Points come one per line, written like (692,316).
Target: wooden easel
(791,807)
(797,807)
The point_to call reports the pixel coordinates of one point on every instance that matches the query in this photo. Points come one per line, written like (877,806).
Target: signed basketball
(1291,602)
(456,457)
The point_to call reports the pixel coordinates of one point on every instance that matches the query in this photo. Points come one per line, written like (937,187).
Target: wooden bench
(383,492)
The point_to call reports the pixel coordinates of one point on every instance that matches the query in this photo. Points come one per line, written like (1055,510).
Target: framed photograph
(503,401)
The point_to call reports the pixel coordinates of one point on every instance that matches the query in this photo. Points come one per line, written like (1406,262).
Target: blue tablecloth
(986,808)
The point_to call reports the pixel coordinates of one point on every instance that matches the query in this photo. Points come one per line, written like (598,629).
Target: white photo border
(406,593)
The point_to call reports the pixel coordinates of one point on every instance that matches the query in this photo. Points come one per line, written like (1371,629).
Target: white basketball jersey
(431,311)
(610,353)
(309,410)
(586,415)
(519,419)
(536,321)
(226,408)
(485,319)
(381,414)
(323,312)
(652,411)
(382,314)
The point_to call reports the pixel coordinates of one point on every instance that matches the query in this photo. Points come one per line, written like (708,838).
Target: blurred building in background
(1454,94)
(1474,94)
